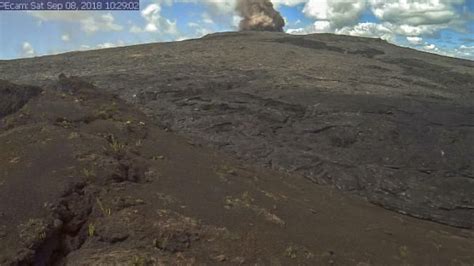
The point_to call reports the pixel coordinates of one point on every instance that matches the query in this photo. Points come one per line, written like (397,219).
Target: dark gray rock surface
(13,97)
(392,124)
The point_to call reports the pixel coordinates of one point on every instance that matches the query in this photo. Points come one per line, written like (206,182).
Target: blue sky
(439,26)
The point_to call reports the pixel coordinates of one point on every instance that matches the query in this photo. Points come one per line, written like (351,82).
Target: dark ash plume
(259,15)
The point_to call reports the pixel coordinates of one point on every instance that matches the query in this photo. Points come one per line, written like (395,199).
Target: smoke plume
(259,15)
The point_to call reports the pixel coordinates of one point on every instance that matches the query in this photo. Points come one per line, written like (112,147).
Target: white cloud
(466,48)
(155,22)
(110,44)
(288,2)
(415,12)
(27,50)
(135,29)
(103,22)
(223,7)
(200,31)
(206,18)
(65,37)
(317,27)
(152,15)
(65,16)
(419,17)
(412,20)
(338,13)
(322,26)
(429,47)
(404,17)
(216,7)
(297,31)
(364,29)
(84,47)
(409,30)
(457,52)
(465,51)
(368,29)
(414,40)
(89,21)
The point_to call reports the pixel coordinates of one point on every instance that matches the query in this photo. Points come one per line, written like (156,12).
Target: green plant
(105,211)
(138,261)
(91,230)
(88,173)
(107,111)
(291,252)
(157,157)
(115,145)
(139,143)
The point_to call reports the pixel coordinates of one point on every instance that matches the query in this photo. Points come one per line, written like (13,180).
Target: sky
(444,27)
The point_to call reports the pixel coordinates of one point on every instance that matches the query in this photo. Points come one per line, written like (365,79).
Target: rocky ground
(90,177)
(87,179)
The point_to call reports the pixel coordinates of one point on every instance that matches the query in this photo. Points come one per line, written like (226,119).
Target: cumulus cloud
(155,22)
(152,15)
(336,13)
(199,30)
(105,22)
(415,13)
(27,50)
(368,29)
(418,17)
(406,17)
(414,40)
(90,22)
(466,48)
(465,51)
(216,7)
(110,44)
(409,30)
(407,20)
(206,18)
(288,2)
(65,37)
(429,47)
(104,45)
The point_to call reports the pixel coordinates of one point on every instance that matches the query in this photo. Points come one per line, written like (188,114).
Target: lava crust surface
(240,148)
(392,124)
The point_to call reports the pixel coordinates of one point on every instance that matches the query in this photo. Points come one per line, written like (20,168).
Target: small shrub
(91,230)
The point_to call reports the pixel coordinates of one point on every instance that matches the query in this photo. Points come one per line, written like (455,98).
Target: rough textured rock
(389,123)
(88,179)
(13,97)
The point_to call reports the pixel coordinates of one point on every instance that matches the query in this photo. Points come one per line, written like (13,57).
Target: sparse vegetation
(291,252)
(91,230)
(15,159)
(139,143)
(88,173)
(139,260)
(158,157)
(105,211)
(87,186)
(33,232)
(107,111)
(64,123)
(115,145)
(247,201)
(73,135)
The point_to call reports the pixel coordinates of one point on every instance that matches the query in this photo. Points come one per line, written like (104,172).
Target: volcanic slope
(391,124)
(88,179)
